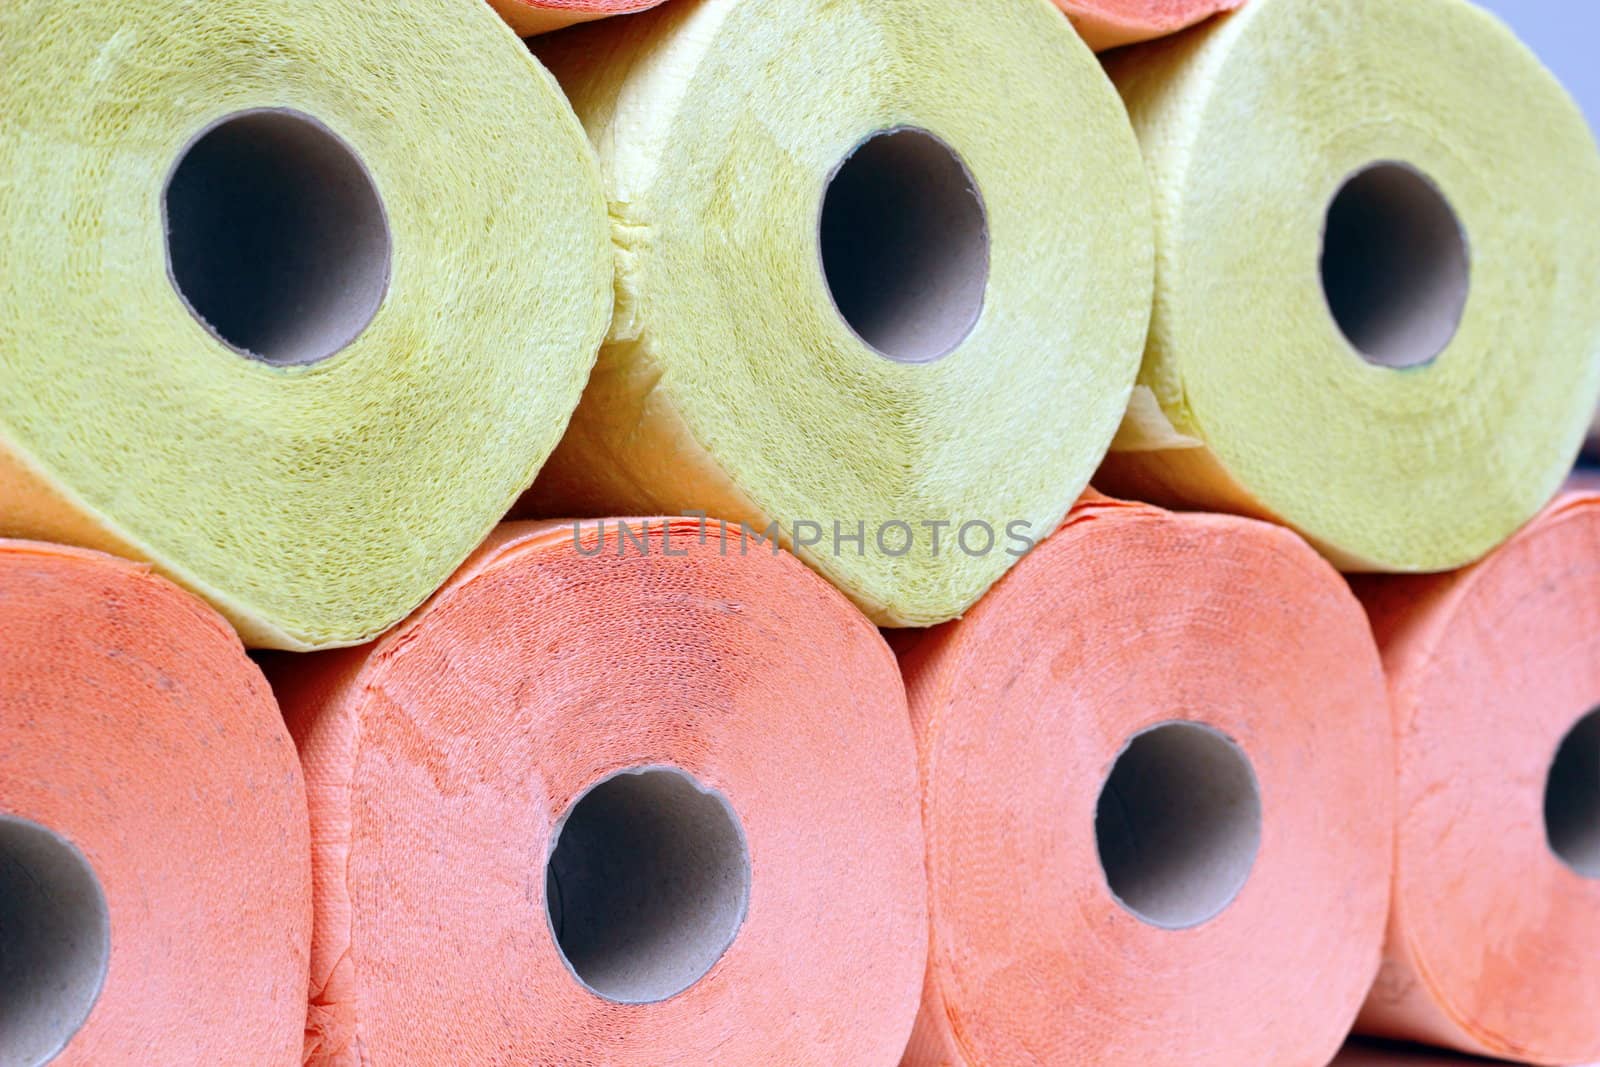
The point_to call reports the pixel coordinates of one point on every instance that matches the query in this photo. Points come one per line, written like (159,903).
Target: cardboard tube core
(905,245)
(1396,268)
(277,240)
(1572,798)
(55,941)
(647,884)
(1178,824)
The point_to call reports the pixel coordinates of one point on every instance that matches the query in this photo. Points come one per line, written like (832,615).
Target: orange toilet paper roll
(1157,793)
(1494,672)
(155,870)
(1109,23)
(624,797)
(530,17)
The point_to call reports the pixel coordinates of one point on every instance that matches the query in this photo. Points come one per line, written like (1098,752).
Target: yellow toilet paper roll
(296,297)
(884,272)
(1375,312)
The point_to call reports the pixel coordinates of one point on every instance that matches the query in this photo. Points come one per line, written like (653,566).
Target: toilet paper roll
(529,17)
(1156,791)
(861,297)
(613,796)
(1494,672)
(155,870)
(1374,320)
(1111,23)
(296,323)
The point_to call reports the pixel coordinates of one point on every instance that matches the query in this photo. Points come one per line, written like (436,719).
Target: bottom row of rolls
(643,792)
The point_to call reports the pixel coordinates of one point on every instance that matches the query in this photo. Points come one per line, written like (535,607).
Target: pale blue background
(1566,34)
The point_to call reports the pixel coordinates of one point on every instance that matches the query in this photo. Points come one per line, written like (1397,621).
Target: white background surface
(1564,33)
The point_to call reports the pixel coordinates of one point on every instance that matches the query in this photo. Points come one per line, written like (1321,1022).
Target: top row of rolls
(1102,23)
(298,302)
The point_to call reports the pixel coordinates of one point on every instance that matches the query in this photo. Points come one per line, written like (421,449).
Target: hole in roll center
(904,242)
(277,239)
(1396,268)
(55,941)
(1572,798)
(647,884)
(1178,824)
